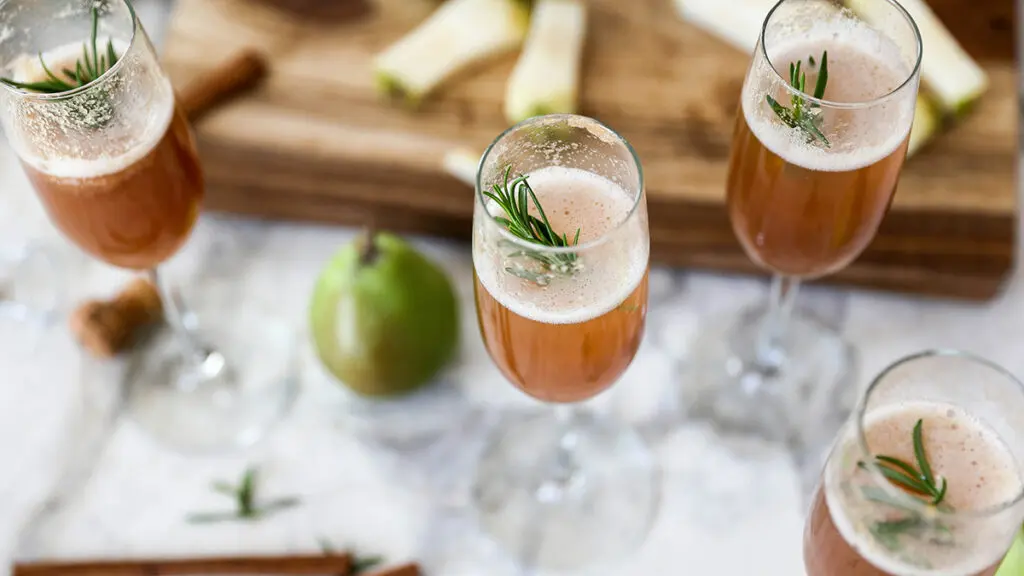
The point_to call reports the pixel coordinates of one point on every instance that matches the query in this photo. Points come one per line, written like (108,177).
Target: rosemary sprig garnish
(514,198)
(804,115)
(246,508)
(919,481)
(87,68)
(888,532)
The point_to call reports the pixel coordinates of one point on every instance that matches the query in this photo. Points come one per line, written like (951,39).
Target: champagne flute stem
(770,355)
(563,467)
(175,312)
(556,477)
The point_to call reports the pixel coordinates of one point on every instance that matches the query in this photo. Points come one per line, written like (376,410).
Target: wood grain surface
(316,143)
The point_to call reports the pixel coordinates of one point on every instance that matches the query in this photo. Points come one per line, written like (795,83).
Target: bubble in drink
(572,337)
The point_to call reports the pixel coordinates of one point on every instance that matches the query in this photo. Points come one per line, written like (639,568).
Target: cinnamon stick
(335,565)
(233,76)
(105,327)
(410,569)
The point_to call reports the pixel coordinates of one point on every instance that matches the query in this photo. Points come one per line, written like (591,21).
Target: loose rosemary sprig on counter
(246,507)
(514,198)
(360,564)
(804,115)
(86,69)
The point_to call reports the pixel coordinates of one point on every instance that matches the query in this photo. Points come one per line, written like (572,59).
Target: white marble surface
(722,514)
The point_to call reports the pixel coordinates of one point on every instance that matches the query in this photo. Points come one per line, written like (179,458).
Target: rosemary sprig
(888,532)
(804,115)
(514,198)
(87,68)
(920,482)
(244,496)
(360,564)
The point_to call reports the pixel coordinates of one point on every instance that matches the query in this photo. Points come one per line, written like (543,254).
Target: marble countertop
(363,486)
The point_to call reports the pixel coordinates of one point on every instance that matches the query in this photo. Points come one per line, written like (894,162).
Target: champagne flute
(820,140)
(560,255)
(31,272)
(93,119)
(927,478)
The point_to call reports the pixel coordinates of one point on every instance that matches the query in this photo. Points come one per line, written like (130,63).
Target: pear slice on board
(545,80)
(951,77)
(457,35)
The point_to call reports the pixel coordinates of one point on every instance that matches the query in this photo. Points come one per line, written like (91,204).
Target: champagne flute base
(800,397)
(553,506)
(30,283)
(222,399)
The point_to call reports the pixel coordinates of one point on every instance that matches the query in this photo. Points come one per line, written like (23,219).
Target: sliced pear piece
(545,80)
(737,22)
(950,75)
(458,34)
(462,165)
(927,122)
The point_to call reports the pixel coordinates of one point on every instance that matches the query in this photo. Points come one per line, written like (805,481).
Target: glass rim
(873,468)
(904,85)
(577,248)
(57,96)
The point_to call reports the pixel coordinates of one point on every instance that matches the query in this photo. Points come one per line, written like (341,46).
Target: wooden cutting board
(316,143)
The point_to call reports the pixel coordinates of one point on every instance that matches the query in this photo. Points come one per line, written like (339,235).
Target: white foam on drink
(147,134)
(864,65)
(573,198)
(980,470)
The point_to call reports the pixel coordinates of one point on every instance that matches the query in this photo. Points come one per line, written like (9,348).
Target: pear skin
(1013,564)
(384,318)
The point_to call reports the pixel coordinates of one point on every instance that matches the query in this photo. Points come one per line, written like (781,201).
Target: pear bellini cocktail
(134,205)
(94,120)
(807,206)
(820,138)
(560,255)
(569,339)
(927,478)
(979,472)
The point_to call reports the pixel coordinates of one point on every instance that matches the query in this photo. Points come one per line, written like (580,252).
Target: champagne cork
(106,327)
(235,75)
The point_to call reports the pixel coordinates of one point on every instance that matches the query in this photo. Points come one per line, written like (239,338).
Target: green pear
(384,317)
(1013,565)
